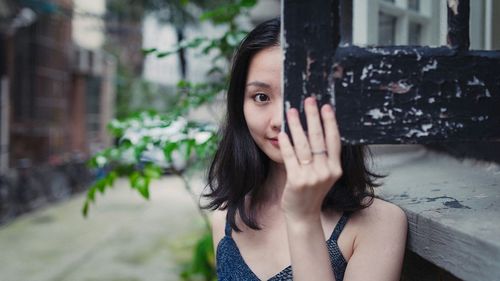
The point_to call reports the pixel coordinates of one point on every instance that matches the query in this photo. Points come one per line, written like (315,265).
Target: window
(93,107)
(415,34)
(414,5)
(397,22)
(387,29)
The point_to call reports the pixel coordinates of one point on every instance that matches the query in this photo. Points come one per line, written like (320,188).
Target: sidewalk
(125,237)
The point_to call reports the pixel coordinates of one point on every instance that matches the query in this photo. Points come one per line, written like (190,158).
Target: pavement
(124,238)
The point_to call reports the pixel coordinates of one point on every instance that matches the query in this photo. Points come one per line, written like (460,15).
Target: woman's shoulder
(380,212)
(218,219)
(380,217)
(378,242)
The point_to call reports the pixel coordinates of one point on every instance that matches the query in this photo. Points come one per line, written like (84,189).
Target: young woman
(308,207)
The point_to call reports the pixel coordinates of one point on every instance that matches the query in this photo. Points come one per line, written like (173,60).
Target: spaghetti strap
(230,264)
(340,226)
(227,229)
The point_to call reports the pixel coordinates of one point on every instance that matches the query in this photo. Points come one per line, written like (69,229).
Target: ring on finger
(305,162)
(319,152)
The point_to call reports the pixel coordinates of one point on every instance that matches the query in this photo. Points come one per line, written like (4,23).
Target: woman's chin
(277,160)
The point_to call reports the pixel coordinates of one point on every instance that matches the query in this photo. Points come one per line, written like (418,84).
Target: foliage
(224,45)
(136,94)
(203,262)
(150,143)
(145,132)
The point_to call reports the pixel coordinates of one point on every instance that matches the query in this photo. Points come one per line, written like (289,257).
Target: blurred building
(56,97)
(420,22)
(56,82)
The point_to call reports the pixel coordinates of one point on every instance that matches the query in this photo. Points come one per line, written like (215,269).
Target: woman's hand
(312,164)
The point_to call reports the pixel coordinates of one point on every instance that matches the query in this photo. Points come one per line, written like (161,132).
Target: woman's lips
(274,142)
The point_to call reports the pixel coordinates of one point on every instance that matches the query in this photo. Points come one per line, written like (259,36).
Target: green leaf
(203,258)
(152,171)
(183,84)
(141,183)
(134,177)
(199,150)
(92,162)
(148,51)
(143,187)
(206,15)
(115,127)
(110,178)
(189,145)
(91,193)
(140,147)
(248,3)
(163,54)
(193,43)
(168,148)
(85,209)
(101,185)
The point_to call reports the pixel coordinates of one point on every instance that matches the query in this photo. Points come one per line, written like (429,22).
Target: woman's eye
(261,98)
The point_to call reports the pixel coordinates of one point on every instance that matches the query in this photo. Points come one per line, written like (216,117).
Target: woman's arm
(218,222)
(308,251)
(313,166)
(380,245)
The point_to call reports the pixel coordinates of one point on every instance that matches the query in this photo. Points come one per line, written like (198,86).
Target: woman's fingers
(287,152)
(321,148)
(315,130)
(300,142)
(332,136)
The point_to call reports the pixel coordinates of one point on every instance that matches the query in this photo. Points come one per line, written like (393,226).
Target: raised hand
(312,164)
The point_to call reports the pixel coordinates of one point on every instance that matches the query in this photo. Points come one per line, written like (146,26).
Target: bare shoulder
(379,242)
(381,219)
(382,213)
(218,220)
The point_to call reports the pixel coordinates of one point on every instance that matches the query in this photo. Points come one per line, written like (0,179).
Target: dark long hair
(240,168)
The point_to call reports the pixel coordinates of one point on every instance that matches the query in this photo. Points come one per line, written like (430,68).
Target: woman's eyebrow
(259,84)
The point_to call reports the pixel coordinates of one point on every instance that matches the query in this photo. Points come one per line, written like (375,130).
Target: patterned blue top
(231,266)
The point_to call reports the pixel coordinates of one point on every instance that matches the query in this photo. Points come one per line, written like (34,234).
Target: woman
(276,204)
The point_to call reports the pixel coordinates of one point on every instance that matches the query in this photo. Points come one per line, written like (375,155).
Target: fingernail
(311,100)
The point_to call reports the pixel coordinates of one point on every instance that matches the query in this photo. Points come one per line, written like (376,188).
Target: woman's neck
(275,183)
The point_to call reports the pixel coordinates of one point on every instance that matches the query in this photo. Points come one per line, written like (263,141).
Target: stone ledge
(453,208)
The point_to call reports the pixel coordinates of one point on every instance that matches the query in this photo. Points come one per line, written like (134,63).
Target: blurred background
(70,68)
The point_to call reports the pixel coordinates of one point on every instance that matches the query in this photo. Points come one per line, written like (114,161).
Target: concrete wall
(495,25)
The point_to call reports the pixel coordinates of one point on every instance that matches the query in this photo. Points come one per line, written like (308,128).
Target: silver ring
(318,152)
(305,162)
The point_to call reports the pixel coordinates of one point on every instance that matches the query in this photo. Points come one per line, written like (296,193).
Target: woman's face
(262,105)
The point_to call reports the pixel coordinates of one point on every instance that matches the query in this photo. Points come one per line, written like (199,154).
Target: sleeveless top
(231,266)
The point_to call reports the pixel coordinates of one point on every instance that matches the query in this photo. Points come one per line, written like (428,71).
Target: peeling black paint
(384,95)
(417,94)
(311,36)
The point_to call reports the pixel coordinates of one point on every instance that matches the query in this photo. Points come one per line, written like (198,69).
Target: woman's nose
(277,117)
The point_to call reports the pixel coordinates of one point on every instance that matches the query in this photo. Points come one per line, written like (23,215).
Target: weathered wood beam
(452,208)
(417,95)
(391,94)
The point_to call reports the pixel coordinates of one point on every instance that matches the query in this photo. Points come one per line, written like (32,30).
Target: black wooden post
(310,45)
(458,24)
(396,94)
